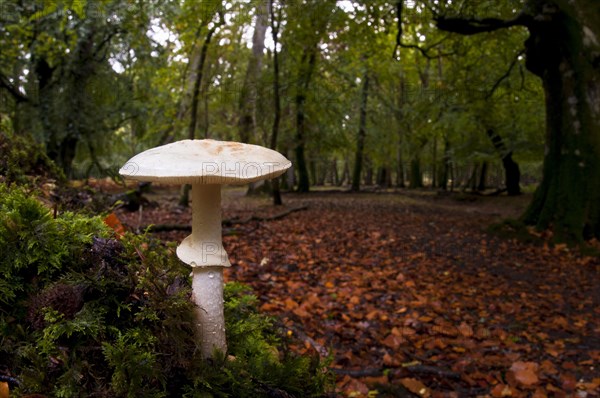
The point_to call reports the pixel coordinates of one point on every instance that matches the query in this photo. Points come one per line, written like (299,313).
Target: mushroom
(206,165)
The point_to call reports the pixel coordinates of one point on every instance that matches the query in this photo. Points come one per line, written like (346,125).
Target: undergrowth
(83,314)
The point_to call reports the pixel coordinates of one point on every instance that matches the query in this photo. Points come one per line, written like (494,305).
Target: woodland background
(437,235)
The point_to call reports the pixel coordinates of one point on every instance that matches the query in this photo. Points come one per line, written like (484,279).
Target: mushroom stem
(207,293)
(204,251)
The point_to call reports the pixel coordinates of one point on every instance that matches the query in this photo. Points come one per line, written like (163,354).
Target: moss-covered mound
(85,315)
(23,161)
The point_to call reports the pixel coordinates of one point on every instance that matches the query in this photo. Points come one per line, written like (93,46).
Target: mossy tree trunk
(564,51)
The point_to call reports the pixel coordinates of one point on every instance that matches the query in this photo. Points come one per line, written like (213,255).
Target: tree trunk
(384,177)
(312,171)
(512,173)
(565,54)
(483,177)
(345,173)
(362,133)
(198,83)
(452,177)
(416,177)
(368,171)
(434,163)
(277,201)
(78,104)
(184,199)
(400,181)
(304,82)
(248,95)
(335,177)
(443,181)
(472,182)
(562,50)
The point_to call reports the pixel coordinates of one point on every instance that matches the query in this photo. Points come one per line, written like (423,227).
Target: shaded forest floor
(410,295)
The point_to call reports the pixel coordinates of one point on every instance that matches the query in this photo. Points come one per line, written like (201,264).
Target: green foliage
(85,315)
(133,360)
(36,248)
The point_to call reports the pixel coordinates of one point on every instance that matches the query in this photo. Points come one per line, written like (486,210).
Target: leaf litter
(411,297)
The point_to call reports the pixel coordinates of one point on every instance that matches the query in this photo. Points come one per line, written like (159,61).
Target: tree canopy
(453,95)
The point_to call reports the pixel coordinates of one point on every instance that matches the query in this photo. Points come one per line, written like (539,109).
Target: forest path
(413,284)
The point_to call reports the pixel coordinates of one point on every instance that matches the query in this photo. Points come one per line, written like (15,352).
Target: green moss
(24,162)
(82,314)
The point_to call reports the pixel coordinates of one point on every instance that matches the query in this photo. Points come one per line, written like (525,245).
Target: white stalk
(204,251)
(207,293)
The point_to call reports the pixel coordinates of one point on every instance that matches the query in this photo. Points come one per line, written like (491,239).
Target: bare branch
(423,50)
(505,75)
(472,26)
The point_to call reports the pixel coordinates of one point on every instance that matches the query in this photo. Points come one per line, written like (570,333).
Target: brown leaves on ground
(419,290)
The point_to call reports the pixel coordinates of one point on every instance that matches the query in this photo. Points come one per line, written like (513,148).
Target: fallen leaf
(524,373)
(415,386)
(301,312)
(3,390)
(115,224)
(392,341)
(354,388)
(501,390)
(569,382)
(465,330)
(389,360)
(290,304)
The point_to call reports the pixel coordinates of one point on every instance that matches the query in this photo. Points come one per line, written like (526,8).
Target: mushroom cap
(205,162)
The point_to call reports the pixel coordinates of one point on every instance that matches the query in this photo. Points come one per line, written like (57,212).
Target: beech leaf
(525,373)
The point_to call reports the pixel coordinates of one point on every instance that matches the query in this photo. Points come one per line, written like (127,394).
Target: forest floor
(410,295)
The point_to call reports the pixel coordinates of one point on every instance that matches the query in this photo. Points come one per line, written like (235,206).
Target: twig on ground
(300,335)
(268,218)
(414,369)
(226,222)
